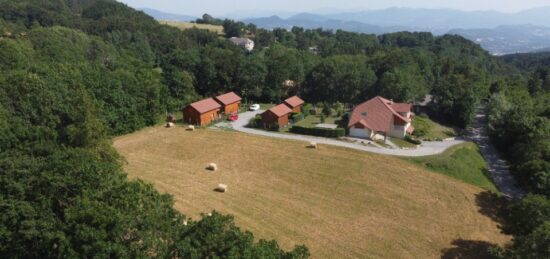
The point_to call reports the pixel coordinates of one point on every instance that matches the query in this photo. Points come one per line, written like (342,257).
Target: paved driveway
(427,148)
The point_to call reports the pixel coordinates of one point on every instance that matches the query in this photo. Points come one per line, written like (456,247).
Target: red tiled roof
(401,107)
(205,105)
(280,110)
(228,98)
(294,101)
(377,114)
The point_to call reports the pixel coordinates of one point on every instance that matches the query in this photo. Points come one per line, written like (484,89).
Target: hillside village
(122,136)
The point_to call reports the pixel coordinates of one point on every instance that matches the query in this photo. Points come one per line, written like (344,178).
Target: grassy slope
(434,129)
(339,202)
(188,25)
(463,162)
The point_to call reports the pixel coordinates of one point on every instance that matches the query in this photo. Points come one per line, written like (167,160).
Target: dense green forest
(519,125)
(77,72)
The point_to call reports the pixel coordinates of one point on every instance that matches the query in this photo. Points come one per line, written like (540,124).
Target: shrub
(313,111)
(255,122)
(327,110)
(329,133)
(409,139)
(338,107)
(322,118)
(297,116)
(306,109)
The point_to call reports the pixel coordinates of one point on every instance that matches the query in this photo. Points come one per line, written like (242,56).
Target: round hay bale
(212,167)
(221,188)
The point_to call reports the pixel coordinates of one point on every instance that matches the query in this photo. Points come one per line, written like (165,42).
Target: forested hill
(76,72)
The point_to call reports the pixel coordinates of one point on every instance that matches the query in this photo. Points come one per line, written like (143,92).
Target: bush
(338,107)
(327,110)
(306,109)
(297,116)
(255,122)
(409,139)
(329,133)
(274,127)
(313,111)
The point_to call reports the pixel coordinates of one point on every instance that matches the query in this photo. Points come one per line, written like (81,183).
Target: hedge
(330,133)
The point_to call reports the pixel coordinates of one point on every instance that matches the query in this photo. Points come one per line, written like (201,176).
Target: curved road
(427,148)
(498,168)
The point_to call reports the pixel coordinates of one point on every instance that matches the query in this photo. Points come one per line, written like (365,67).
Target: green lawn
(402,143)
(463,162)
(266,106)
(311,120)
(427,129)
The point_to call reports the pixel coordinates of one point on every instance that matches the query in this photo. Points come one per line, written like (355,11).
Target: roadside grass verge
(463,162)
(402,143)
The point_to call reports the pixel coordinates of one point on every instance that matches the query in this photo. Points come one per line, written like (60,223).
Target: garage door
(358,133)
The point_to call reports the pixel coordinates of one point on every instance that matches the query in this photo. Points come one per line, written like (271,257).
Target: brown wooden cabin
(276,115)
(202,112)
(294,103)
(230,102)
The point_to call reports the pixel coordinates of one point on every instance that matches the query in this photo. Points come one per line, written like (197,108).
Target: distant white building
(243,42)
(314,50)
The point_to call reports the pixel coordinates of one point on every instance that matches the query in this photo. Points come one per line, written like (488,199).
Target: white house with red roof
(380,117)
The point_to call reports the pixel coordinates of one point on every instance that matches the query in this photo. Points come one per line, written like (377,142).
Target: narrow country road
(427,148)
(498,168)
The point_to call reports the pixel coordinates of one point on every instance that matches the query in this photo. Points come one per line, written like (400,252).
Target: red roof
(280,110)
(205,105)
(377,114)
(228,98)
(401,107)
(294,101)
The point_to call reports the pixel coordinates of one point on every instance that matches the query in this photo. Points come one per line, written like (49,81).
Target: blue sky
(222,7)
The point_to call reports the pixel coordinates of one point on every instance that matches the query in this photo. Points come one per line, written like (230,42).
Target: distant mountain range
(499,33)
(442,20)
(508,39)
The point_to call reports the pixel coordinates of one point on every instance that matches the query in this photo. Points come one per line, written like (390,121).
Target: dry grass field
(188,25)
(340,203)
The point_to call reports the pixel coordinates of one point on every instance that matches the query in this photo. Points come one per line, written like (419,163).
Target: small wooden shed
(202,112)
(230,102)
(294,103)
(277,115)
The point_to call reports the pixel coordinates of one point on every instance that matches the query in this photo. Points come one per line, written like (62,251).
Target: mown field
(188,25)
(341,203)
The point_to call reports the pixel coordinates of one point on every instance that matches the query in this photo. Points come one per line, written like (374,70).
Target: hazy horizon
(224,7)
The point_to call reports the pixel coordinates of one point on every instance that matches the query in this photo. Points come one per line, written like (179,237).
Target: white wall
(359,133)
(399,131)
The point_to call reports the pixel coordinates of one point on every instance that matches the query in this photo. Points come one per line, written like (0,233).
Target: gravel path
(427,148)
(498,168)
